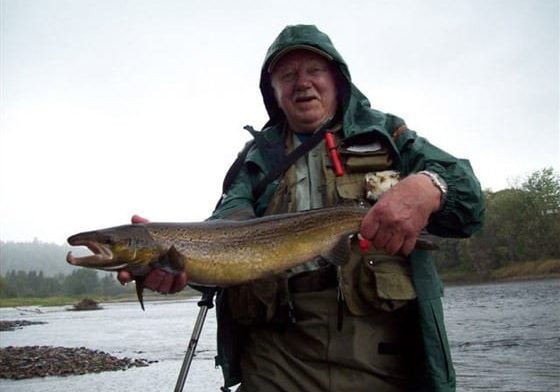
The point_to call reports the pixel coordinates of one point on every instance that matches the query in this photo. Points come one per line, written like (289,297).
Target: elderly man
(376,323)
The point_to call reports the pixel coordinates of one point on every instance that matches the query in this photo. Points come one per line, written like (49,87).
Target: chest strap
(290,159)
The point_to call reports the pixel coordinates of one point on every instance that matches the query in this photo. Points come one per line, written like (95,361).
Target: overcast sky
(115,107)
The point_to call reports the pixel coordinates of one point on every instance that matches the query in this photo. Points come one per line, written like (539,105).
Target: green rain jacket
(461,215)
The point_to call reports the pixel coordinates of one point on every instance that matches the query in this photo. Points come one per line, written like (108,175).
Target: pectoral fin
(172,261)
(339,253)
(139,281)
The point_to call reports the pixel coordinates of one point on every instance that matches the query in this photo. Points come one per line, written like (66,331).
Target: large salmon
(224,252)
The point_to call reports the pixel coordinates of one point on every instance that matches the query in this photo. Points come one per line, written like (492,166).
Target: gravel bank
(12,325)
(41,361)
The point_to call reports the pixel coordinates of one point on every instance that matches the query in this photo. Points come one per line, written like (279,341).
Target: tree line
(522,223)
(80,282)
(36,256)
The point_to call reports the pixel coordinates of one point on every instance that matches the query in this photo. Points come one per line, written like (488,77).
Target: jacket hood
(292,37)
(354,108)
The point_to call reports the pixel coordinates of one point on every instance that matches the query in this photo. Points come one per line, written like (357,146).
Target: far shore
(527,270)
(530,270)
(480,279)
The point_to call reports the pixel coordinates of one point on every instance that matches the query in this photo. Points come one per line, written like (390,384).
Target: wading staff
(206,302)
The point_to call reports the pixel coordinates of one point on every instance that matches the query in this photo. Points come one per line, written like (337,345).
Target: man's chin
(307,122)
(311,125)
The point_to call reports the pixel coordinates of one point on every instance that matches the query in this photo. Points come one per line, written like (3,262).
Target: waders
(205,303)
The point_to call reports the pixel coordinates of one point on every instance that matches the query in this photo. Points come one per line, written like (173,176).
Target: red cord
(331,147)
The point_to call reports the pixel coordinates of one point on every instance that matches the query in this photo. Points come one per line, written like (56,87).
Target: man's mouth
(305,99)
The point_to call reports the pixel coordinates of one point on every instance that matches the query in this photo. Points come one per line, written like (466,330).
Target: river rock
(12,325)
(87,304)
(40,361)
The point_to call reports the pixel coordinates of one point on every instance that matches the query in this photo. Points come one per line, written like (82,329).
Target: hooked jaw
(116,248)
(102,257)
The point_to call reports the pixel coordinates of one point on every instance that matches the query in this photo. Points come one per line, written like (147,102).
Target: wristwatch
(439,183)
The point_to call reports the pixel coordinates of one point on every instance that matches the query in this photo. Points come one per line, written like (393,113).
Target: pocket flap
(392,277)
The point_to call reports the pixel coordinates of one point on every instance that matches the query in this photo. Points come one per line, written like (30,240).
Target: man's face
(305,89)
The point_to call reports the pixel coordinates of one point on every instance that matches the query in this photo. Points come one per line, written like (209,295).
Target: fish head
(128,246)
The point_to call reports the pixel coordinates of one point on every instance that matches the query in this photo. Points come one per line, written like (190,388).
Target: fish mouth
(101,258)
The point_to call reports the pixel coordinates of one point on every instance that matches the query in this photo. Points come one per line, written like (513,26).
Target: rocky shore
(12,325)
(40,361)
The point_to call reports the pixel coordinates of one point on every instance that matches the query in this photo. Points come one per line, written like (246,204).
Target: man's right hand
(157,280)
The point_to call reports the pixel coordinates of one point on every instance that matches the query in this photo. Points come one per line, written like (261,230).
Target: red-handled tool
(364,243)
(335,158)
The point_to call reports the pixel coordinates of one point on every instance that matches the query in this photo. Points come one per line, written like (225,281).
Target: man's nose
(303,81)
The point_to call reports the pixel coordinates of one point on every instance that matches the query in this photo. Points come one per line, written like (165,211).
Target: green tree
(80,282)
(2,286)
(522,223)
(543,188)
(109,286)
(545,185)
(53,285)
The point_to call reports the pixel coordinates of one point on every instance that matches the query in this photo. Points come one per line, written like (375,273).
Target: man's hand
(157,280)
(399,215)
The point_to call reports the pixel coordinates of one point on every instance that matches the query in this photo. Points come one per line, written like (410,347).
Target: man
(376,324)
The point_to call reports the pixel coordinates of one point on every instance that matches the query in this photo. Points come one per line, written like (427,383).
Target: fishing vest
(267,304)
(369,280)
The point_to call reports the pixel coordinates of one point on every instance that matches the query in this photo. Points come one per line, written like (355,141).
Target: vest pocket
(355,163)
(366,157)
(392,277)
(376,281)
(352,185)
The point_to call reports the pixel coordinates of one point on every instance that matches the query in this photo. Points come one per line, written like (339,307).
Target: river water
(504,337)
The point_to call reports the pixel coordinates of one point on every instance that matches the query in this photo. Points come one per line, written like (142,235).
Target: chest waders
(264,310)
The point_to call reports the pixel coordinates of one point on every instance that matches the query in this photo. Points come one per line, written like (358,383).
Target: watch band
(439,184)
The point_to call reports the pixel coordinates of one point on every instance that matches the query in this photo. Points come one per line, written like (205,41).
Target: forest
(81,282)
(522,224)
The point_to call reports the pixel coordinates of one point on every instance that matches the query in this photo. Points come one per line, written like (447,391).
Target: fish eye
(107,239)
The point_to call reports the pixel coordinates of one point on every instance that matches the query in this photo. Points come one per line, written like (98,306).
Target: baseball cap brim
(285,51)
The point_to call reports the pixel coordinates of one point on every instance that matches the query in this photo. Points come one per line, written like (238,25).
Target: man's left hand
(395,221)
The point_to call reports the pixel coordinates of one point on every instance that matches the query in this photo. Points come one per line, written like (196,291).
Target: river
(504,337)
